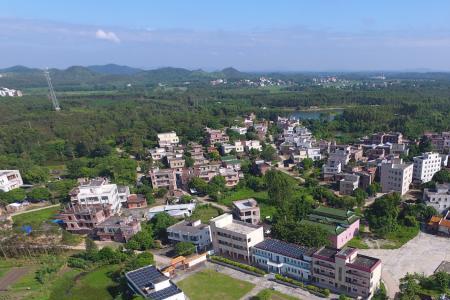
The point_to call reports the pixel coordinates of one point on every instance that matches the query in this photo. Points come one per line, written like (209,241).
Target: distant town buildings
(348,184)
(163,178)
(5,92)
(168,139)
(10,180)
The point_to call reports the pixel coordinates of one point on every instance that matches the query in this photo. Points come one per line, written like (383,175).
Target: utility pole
(52,91)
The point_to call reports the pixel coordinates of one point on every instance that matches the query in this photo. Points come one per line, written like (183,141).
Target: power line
(52,91)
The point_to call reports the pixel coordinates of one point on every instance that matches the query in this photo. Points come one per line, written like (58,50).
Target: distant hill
(232,73)
(113,69)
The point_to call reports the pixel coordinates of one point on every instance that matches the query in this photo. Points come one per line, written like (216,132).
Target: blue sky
(249,35)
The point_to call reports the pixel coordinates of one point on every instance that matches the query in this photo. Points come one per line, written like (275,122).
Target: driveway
(423,254)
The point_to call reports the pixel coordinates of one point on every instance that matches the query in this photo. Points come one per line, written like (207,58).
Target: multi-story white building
(226,148)
(240,130)
(284,258)
(97,192)
(163,178)
(168,139)
(425,166)
(346,272)
(10,180)
(331,168)
(194,232)
(396,177)
(239,146)
(231,176)
(253,144)
(348,184)
(438,197)
(158,153)
(341,154)
(234,239)
(247,210)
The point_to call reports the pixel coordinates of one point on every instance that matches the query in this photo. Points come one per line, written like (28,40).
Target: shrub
(310,288)
(76,262)
(236,264)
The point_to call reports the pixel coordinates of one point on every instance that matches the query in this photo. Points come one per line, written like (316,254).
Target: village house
(168,139)
(247,210)
(117,228)
(136,201)
(395,176)
(10,180)
(191,231)
(216,136)
(163,178)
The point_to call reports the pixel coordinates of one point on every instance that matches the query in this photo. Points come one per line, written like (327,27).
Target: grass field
(274,295)
(205,213)
(3,271)
(357,242)
(208,284)
(400,237)
(244,194)
(35,218)
(95,285)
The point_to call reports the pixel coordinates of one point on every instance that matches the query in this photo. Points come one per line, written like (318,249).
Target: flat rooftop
(363,261)
(241,227)
(245,204)
(186,226)
(443,267)
(285,248)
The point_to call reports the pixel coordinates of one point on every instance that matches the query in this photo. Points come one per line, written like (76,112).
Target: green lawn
(35,218)
(205,213)
(209,284)
(95,285)
(400,237)
(3,271)
(357,242)
(244,194)
(274,295)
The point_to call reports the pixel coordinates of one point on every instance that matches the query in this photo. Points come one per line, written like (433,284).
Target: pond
(327,114)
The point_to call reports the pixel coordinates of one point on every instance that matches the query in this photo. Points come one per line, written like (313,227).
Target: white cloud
(107,35)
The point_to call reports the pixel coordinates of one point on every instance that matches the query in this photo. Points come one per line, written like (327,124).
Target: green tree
(160,222)
(280,188)
(443,280)
(141,260)
(442,176)
(268,153)
(16,195)
(307,163)
(91,248)
(199,184)
(40,193)
(373,189)
(382,214)
(184,248)
(409,288)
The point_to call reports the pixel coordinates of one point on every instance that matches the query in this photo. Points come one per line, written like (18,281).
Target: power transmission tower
(52,91)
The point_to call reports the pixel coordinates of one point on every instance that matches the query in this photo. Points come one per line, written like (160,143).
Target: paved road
(423,254)
(34,209)
(205,200)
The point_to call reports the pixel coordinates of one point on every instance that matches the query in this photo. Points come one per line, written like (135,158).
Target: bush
(236,264)
(184,248)
(310,288)
(78,263)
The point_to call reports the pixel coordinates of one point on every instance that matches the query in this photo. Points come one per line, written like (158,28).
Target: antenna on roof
(51,91)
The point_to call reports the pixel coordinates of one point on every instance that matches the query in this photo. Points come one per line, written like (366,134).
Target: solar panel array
(165,293)
(146,276)
(284,248)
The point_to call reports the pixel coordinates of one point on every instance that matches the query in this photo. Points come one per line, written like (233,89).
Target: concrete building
(348,184)
(10,180)
(168,139)
(240,130)
(163,178)
(383,138)
(284,258)
(239,146)
(150,283)
(194,232)
(231,176)
(234,239)
(176,162)
(253,144)
(341,155)
(136,201)
(331,168)
(438,197)
(440,224)
(157,153)
(342,225)
(175,210)
(117,228)
(83,219)
(99,192)
(226,148)
(216,136)
(346,272)
(425,166)
(247,210)
(396,177)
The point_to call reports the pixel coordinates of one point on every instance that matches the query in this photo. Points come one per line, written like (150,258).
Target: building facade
(234,239)
(348,184)
(425,166)
(194,232)
(163,178)
(396,177)
(10,180)
(438,197)
(346,272)
(247,210)
(284,258)
(168,139)
(118,229)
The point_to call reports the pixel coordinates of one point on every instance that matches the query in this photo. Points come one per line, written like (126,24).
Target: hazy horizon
(253,36)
